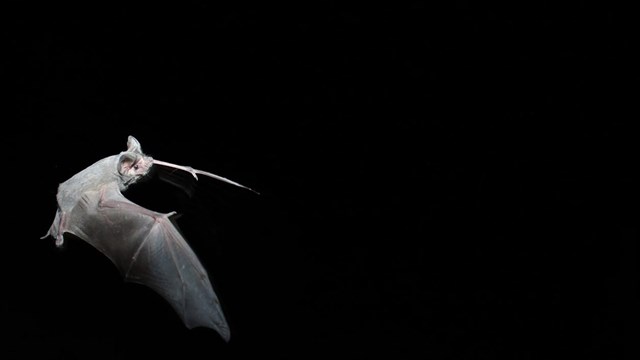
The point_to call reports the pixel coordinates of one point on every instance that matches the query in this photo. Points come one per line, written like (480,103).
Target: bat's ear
(125,162)
(133,145)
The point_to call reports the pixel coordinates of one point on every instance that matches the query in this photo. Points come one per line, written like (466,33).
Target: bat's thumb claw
(191,171)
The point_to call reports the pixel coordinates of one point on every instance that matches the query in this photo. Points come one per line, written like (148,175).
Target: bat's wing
(148,249)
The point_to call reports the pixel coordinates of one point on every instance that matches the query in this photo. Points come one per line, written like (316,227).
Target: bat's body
(144,245)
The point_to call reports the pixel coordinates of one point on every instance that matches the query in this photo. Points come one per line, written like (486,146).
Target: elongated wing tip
(224,333)
(224,179)
(222,329)
(250,189)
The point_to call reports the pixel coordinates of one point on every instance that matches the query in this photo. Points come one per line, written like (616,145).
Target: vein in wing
(136,254)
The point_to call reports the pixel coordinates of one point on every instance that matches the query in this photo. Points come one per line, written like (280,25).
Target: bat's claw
(188,169)
(192,171)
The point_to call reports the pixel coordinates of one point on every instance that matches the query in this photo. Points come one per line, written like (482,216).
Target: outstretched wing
(148,249)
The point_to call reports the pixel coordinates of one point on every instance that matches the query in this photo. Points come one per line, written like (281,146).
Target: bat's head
(133,164)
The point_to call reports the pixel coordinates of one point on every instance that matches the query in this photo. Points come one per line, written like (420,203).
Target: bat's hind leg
(61,228)
(58,228)
(59,240)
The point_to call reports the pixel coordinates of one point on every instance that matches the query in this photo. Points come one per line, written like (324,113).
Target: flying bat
(145,245)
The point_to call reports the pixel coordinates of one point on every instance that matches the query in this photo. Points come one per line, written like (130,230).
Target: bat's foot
(59,240)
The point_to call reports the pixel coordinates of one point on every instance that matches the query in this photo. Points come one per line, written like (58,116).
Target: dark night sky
(436,182)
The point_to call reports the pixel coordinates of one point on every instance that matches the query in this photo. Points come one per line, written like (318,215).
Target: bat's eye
(135,167)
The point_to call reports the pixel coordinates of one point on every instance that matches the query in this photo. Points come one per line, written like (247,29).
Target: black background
(442,182)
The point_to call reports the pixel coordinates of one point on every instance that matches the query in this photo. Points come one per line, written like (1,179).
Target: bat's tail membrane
(195,173)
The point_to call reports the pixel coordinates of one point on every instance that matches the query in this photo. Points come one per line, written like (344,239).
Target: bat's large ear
(125,162)
(133,145)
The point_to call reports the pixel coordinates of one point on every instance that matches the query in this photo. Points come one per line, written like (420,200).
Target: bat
(145,246)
